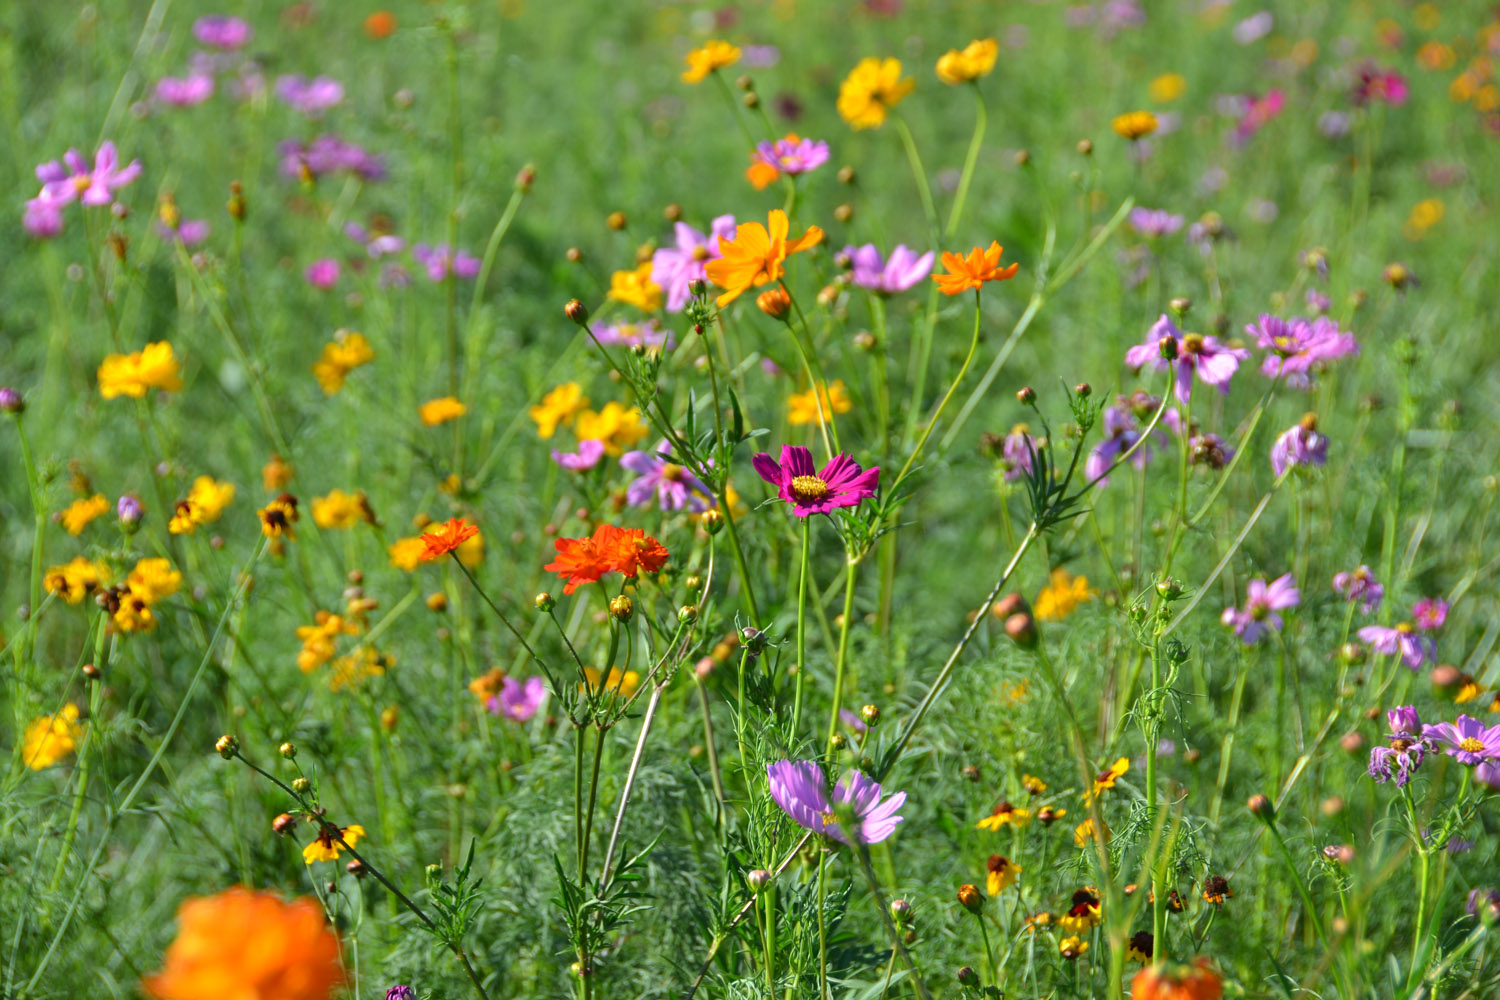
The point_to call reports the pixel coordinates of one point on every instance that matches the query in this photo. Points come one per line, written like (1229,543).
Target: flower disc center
(809,488)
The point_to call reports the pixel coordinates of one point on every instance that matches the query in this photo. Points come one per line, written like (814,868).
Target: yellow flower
(1167,87)
(341,355)
(50,738)
(1106,779)
(1134,125)
(406,553)
(870,90)
(1083,833)
(636,288)
(757,255)
(712,56)
(339,510)
(1424,215)
(1061,597)
(1001,874)
(73,581)
(153,367)
(1084,914)
(969,63)
(1005,814)
(327,847)
(81,511)
(440,411)
(134,613)
(205,503)
(279,517)
(614,426)
(353,669)
(810,407)
(558,407)
(320,639)
(153,579)
(1033,785)
(617,683)
(1072,947)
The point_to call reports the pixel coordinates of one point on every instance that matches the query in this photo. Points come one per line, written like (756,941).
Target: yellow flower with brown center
(813,407)
(327,846)
(442,410)
(870,90)
(714,55)
(1167,87)
(81,511)
(152,367)
(50,738)
(1000,874)
(1062,596)
(74,580)
(1085,912)
(558,408)
(1134,125)
(205,503)
(133,613)
(1072,947)
(1106,779)
(406,553)
(636,288)
(153,579)
(1005,814)
(341,355)
(616,427)
(320,639)
(1033,785)
(970,63)
(277,518)
(339,510)
(756,255)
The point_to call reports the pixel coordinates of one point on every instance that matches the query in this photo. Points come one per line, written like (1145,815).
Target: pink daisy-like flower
(840,483)
(220,31)
(311,97)
(672,485)
(74,180)
(792,155)
(1209,358)
(1262,602)
(586,457)
(1414,648)
(440,261)
(676,268)
(184,92)
(1295,348)
(1468,740)
(1360,585)
(518,701)
(801,790)
(1301,444)
(898,273)
(1429,613)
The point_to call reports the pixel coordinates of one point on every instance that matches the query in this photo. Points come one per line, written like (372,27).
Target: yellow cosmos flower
(1005,814)
(50,738)
(406,553)
(1106,779)
(339,510)
(152,367)
(870,90)
(804,407)
(440,411)
(1001,873)
(341,355)
(75,580)
(327,846)
(1061,597)
(714,55)
(969,63)
(81,511)
(320,639)
(558,408)
(205,503)
(1134,125)
(636,288)
(1072,947)
(153,579)
(756,254)
(614,426)
(1083,833)
(1167,87)
(134,613)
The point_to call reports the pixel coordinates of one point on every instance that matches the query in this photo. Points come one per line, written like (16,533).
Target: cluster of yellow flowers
(341,355)
(74,580)
(615,426)
(339,510)
(80,512)
(50,738)
(205,503)
(636,288)
(558,408)
(815,406)
(149,582)
(152,367)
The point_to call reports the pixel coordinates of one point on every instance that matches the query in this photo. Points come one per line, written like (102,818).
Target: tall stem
(851,568)
(802,623)
(970,160)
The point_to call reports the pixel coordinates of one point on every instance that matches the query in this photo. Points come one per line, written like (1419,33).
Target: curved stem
(980,117)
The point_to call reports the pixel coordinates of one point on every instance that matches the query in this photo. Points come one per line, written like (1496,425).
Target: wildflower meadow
(755,499)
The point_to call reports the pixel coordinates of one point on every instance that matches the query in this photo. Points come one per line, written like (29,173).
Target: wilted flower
(801,790)
(1360,585)
(1301,444)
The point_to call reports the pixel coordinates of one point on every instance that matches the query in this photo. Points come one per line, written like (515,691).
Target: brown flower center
(1193,343)
(809,488)
(671,473)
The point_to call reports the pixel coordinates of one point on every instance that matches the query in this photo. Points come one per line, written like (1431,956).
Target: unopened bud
(288,750)
(1026,395)
(687,614)
(621,607)
(775,303)
(301,786)
(871,715)
(576,311)
(843,212)
(1085,147)
(1022,157)
(1261,807)
(751,99)
(227,747)
(544,602)
(970,898)
(1180,306)
(1167,348)
(525,177)
(1083,390)
(1447,679)
(712,521)
(616,221)
(846,175)
(11,401)
(1021,628)
(757,880)
(1352,743)
(967,976)
(283,824)
(1352,653)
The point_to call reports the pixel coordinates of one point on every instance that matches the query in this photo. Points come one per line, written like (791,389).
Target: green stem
(851,569)
(802,623)
(972,158)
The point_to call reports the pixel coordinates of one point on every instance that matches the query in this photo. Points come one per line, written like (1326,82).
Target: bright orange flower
(630,550)
(762,175)
(580,560)
(755,256)
(1198,982)
(380,24)
(250,946)
(444,538)
(974,270)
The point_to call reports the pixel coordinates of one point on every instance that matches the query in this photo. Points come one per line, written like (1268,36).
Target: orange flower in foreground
(755,255)
(1198,982)
(580,560)
(249,946)
(444,538)
(974,270)
(608,550)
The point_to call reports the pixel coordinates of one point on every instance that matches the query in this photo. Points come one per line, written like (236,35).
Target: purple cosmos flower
(1414,647)
(1360,585)
(1429,613)
(184,91)
(1153,223)
(1122,429)
(516,701)
(1318,302)
(129,510)
(841,483)
(1458,845)
(1214,362)
(73,179)
(760,56)
(440,261)
(311,97)
(801,790)
(1375,84)
(1254,28)
(1300,445)
(853,721)
(1397,761)
(220,31)
(42,218)
(1484,903)
(675,269)
(1488,774)
(1262,602)
(647,333)
(1016,451)
(322,273)
(901,271)
(673,486)
(792,155)
(189,232)
(1295,347)
(586,457)
(1467,740)
(328,154)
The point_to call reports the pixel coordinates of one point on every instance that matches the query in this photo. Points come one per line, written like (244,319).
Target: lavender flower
(328,154)
(516,701)
(311,97)
(647,333)
(1262,602)
(1404,722)
(1414,647)
(1467,740)
(1154,223)
(74,180)
(220,31)
(185,91)
(1214,362)
(440,261)
(801,790)
(675,269)
(129,510)
(1296,347)
(189,232)
(1398,761)
(673,486)
(1122,429)
(898,273)
(1360,585)
(586,457)
(1016,451)
(792,155)
(1484,903)
(1301,444)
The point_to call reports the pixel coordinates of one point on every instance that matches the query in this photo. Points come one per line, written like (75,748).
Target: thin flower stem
(606,872)
(722,496)
(851,571)
(972,158)
(924,190)
(708,744)
(498,613)
(802,624)
(826,424)
(947,397)
(890,926)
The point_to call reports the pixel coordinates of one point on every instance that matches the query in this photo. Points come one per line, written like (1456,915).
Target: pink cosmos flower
(1375,84)
(1299,445)
(801,790)
(586,457)
(440,261)
(1262,602)
(1154,223)
(1297,347)
(220,31)
(1468,740)
(1213,361)
(328,154)
(184,91)
(841,483)
(1122,429)
(1415,648)
(1258,112)
(676,268)
(792,155)
(73,179)
(646,333)
(1015,453)
(672,485)
(189,232)
(42,218)
(376,246)
(1360,585)
(322,273)
(1429,613)
(518,701)
(903,270)
(311,97)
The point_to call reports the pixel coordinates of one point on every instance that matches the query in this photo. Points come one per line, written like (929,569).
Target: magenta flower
(311,97)
(73,179)
(1404,639)
(900,272)
(1122,429)
(1213,361)
(1404,721)
(516,701)
(1296,347)
(328,154)
(673,486)
(1262,602)
(184,91)
(801,790)
(1488,774)
(376,246)
(676,268)
(189,232)
(646,333)
(1154,223)
(1360,585)
(322,273)
(440,261)
(841,483)
(1429,613)
(1467,741)
(1300,445)
(1375,84)
(792,155)
(1258,111)
(1397,761)
(220,31)
(586,457)
(42,218)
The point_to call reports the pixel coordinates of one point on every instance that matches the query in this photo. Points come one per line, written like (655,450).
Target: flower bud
(616,221)
(288,750)
(1085,147)
(1447,679)
(301,786)
(130,512)
(1008,605)
(1083,390)
(1180,306)
(227,747)
(621,608)
(1026,395)
(576,311)
(284,824)
(757,880)
(871,715)
(843,212)
(838,741)
(864,340)
(356,868)
(970,898)
(687,614)
(437,602)
(92,672)
(1352,743)
(11,401)
(544,602)
(1022,157)
(1261,807)
(846,175)
(1167,347)
(970,772)
(967,976)
(1169,589)
(1021,627)
(236,205)
(900,911)
(775,303)
(712,521)
(525,177)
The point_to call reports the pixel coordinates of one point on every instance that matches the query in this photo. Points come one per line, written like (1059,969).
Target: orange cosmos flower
(445,538)
(762,175)
(755,256)
(974,270)
(630,550)
(714,55)
(251,946)
(1134,125)
(380,24)
(580,560)
(1196,982)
